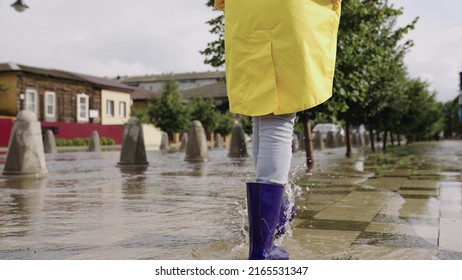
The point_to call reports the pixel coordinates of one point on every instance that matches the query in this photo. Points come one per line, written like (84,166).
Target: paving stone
(420,184)
(368,252)
(399,172)
(451,234)
(420,208)
(319,244)
(418,193)
(387,183)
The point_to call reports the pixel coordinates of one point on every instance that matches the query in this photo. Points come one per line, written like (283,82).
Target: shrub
(105,141)
(63,142)
(80,141)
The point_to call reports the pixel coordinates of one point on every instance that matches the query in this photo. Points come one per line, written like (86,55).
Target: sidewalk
(403,205)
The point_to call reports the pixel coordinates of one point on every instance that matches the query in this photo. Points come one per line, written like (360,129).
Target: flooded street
(403,205)
(87,208)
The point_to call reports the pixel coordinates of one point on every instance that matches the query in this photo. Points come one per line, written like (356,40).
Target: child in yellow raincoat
(280,59)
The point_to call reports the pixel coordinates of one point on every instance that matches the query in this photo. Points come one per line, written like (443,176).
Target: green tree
(246,123)
(368,44)
(385,103)
(452,124)
(215,50)
(203,110)
(141,114)
(424,117)
(168,112)
(225,123)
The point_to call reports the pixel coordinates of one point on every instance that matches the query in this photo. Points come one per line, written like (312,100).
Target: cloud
(438,59)
(105,37)
(436,55)
(119,37)
(113,68)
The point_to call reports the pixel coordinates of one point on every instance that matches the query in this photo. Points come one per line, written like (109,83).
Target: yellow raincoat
(280,54)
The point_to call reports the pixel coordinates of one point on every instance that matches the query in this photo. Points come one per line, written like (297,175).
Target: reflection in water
(21,202)
(199,169)
(133,179)
(451,216)
(89,207)
(359,164)
(133,182)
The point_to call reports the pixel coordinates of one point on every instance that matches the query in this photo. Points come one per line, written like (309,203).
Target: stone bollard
(238,147)
(184,141)
(318,141)
(26,156)
(197,150)
(366,139)
(339,139)
(360,138)
(218,141)
(49,143)
(94,145)
(133,153)
(354,140)
(164,143)
(295,143)
(330,140)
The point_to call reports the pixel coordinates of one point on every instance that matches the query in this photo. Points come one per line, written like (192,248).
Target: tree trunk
(372,139)
(348,139)
(384,148)
(399,140)
(308,145)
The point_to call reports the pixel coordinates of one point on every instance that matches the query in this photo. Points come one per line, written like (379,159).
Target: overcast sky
(138,37)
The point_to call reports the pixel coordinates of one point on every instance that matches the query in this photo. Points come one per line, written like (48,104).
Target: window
(122,109)
(187,84)
(82,107)
(31,100)
(110,108)
(50,104)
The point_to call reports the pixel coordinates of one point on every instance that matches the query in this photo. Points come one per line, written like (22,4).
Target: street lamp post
(19,6)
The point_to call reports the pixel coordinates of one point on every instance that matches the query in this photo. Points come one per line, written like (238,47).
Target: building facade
(62,99)
(206,84)
(154,83)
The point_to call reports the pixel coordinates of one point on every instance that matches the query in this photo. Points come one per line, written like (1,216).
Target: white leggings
(272,147)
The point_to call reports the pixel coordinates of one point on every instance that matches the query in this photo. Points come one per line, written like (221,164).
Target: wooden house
(70,104)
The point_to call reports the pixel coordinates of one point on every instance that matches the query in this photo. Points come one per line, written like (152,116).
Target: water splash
(244,220)
(293,192)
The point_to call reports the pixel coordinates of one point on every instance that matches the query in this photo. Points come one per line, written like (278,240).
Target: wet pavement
(406,204)
(403,205)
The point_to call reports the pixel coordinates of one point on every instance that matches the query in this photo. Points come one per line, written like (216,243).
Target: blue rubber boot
(264,207)
(284,215)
